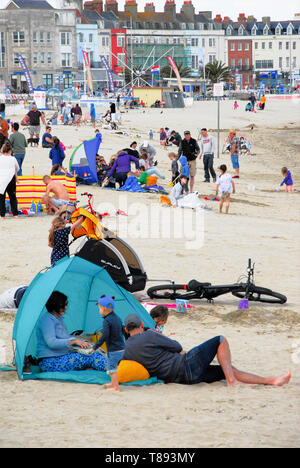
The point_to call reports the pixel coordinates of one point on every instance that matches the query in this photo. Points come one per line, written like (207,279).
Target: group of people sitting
(118,169)
(161,356)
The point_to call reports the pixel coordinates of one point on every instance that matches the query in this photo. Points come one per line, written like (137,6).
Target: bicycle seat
(195,285)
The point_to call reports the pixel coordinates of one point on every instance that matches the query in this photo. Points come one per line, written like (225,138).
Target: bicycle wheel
(258,294)
(171,292)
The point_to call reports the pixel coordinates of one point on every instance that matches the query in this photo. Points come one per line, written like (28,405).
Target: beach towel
(32,189)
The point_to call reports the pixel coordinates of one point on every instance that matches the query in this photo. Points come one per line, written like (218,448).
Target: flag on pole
(109,74)
(175,69)
(87,67)
(155,69)
(26,73)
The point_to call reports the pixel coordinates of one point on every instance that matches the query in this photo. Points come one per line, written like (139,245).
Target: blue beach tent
(83,160)
(83,283)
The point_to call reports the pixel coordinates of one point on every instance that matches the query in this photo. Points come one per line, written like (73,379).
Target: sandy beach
(263,225)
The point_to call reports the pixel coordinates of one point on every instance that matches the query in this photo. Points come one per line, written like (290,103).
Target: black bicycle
(195,290)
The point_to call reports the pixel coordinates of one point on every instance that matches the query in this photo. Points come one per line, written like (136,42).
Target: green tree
(167,71)
(216,72)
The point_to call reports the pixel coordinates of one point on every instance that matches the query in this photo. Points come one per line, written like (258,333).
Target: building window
(16,60)
(49,58)
(212,42)
(270,45)
(65,60)
(48,38)
(232,46)
(42,57)
(232,63)
(240,63)
(212,58)
(287,62)
(280,62)
(194,42)
(246,45)
(262,64)
(266,31)
(253,31)
(35,37)
(35,58)
(280,45)
(247,63)
(240,46)
(203,42)
(2,49)
(68,80)
(90,37)
(41,37)
(289,30)
(18,37)
(65,38)
(278,30)
(47,80)
(294,63)
(121,60)
(287,45)
(294,45)
(195,61)
(256,45)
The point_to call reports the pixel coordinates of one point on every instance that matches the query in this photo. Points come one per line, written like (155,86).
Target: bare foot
(108,385)
(282,379)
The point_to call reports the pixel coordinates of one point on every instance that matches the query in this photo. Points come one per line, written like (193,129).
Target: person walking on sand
(207,149)
(19,145)
(60,195)
(234,151)
(9,168)
(223,188)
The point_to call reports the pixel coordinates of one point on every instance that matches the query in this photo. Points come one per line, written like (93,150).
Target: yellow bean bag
(129,371)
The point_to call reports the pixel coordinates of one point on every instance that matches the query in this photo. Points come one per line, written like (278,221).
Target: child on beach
(113,337)
(178,191)
(150,134)
(160,314)
(59,238)
(223,188)
(288,181)
(235,105)
(56,154)
(174,166)
(185,171)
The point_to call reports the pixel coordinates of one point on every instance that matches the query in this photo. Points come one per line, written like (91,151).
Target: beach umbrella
(83,283)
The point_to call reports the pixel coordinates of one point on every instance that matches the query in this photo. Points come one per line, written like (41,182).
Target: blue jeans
(197,366)
(20,159)
(114,357)
(235,161)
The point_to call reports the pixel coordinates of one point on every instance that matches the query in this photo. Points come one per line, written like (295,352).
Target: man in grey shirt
(165,359)
(19,145)
(207,149)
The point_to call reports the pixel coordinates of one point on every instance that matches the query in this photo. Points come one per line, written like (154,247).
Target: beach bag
(151,180)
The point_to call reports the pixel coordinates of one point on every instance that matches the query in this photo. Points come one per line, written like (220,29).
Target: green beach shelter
(83,283)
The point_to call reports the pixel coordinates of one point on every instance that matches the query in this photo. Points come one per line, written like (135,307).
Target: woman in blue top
(56,154)
(54,341)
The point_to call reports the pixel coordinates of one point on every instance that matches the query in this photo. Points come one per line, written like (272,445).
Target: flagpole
(84,71)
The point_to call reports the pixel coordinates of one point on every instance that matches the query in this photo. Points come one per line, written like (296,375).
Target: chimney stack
(94,5)
(218,19)
(242,19)
(170,8)
(188,10)
(112,5)
(266,19)
(149,8)
(131,7)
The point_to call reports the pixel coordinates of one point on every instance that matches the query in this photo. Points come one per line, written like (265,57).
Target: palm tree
(216,71)
(167,71)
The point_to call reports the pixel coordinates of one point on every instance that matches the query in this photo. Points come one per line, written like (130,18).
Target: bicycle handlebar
(86,194)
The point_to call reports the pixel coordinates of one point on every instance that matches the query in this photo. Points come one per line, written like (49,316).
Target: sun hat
(107,302)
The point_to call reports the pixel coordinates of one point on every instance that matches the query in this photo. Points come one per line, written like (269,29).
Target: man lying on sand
(60,195)
(165,359)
